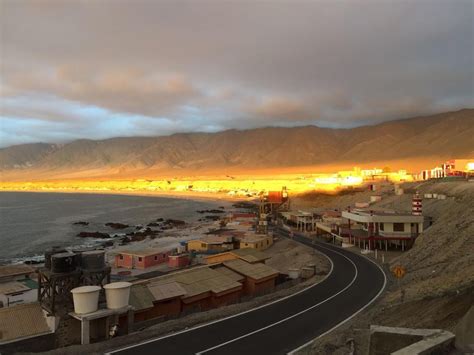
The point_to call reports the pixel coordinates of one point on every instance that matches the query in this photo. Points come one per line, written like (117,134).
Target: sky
(107,68)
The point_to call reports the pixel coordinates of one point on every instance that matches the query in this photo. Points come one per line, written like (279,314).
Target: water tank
(49,252)
(117,294)
(312,266)
(93,260)
(79,252)
(63,262)
(293,273)
(86,299)
(307,272)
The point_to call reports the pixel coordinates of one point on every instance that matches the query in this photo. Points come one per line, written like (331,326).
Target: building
(192,290)
(140,259)
(379,229)
(17,285)
(177,261)
(259,278)
(249,255)
(15,272)
(24,327)
(211,244)
(258,242)
(201,288)
(302,220)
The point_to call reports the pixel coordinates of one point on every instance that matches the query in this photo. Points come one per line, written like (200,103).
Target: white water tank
(86,299)
(117,294)
(293,273)
(307,272)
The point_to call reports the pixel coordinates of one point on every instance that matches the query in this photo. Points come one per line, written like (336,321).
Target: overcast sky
(105,68)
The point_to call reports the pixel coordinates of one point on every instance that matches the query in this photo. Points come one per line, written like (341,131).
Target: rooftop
(141,297)
(15,270)
(250,255)
(142,252)
(196,281)
(230,274)
(12,287)
(212,239)
(253,238)
(24,320)
(255,271)
(166,291)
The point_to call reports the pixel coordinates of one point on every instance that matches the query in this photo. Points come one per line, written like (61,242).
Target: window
(398,227)
(121,257)
(156,257)
(203,245)
(381,226)
(140,258)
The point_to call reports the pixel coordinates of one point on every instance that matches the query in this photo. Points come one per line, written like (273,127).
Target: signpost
(399,272)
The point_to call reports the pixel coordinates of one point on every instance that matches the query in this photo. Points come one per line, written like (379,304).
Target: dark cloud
(103,68)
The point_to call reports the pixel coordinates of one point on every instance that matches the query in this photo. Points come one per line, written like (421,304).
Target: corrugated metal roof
(166,291)
(255,271)
(21,321)
(230,274)
(197,281)
(141,297)
(250,255)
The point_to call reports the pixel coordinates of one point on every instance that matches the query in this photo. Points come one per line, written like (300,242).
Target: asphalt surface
(283,326)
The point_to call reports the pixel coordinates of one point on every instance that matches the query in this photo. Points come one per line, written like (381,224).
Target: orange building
(178,261)
(140,259)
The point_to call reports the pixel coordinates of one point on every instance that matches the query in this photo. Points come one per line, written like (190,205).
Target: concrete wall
(407,341)
(387,343)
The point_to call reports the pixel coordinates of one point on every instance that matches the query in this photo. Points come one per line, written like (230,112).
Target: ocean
(32,222)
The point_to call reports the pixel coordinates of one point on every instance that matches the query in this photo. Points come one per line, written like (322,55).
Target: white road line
(290,317)
(231,316)
(294,351)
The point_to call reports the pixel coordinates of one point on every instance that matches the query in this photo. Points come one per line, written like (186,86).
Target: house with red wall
(141,259)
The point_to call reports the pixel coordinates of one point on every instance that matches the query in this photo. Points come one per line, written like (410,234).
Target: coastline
(169,238)
(184,195)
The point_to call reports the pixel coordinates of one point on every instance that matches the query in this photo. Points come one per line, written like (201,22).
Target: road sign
(399,271)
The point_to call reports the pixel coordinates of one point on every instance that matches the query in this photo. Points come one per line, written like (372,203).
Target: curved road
(287,324)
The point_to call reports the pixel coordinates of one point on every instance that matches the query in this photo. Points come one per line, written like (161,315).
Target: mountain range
(420,139)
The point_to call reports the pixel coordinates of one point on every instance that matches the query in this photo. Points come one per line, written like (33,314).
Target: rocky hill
(439,136)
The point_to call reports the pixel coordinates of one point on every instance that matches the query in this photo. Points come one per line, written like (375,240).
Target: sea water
(32,222)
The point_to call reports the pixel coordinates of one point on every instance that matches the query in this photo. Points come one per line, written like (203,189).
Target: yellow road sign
(399,271)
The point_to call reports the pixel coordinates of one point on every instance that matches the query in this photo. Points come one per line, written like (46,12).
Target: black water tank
(93,260)
(49,252)
(79,252)
(63,262)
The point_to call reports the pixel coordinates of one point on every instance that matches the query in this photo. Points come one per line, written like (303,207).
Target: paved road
(282,326)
